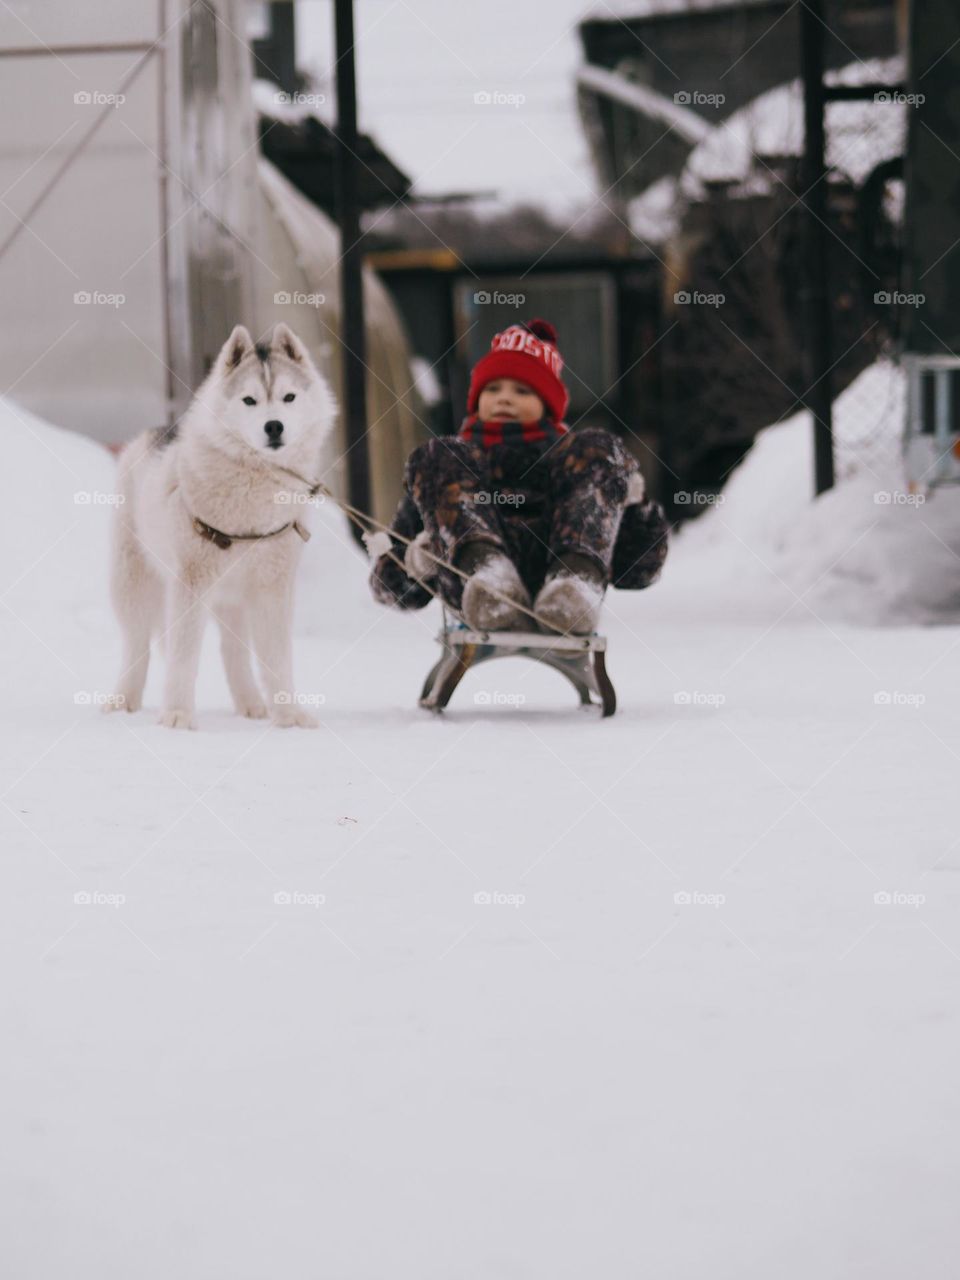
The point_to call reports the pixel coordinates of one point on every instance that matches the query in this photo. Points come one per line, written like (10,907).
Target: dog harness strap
(225,540)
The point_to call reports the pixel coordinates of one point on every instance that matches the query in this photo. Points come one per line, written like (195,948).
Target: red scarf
(487,434)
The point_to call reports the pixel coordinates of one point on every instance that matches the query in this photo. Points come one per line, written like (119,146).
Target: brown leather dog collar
(225,540)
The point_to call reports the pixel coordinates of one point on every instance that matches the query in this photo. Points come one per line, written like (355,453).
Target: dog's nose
(274,430)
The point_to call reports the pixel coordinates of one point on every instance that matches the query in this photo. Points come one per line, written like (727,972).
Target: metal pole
(352,333)
(818,317)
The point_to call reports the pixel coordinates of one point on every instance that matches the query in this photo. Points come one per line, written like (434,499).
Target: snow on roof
(687,124)
(859,135)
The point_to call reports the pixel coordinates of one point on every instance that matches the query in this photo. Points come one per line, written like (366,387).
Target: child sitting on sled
(535,514)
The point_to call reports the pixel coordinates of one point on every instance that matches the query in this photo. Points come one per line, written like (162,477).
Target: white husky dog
(212,523)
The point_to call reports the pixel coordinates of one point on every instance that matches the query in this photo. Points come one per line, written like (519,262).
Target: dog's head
(272,395)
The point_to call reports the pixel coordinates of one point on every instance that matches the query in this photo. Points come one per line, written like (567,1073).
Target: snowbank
(867,551)
(58,492)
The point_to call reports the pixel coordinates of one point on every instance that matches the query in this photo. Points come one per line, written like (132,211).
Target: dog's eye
(249,400)
(288,397)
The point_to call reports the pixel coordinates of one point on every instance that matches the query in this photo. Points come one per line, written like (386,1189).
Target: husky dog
(212,523)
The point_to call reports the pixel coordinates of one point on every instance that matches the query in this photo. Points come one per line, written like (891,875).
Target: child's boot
(571,597)
(491,571)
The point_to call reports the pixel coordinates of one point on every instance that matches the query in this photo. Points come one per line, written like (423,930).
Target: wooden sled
(582,659)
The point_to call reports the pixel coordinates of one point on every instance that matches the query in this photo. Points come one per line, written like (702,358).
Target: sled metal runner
(582,659)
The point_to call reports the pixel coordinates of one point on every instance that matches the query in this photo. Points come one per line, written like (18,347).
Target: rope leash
(367,523)
(358,517)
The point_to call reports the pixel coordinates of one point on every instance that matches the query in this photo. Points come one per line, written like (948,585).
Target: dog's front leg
(185,618)
(272,625)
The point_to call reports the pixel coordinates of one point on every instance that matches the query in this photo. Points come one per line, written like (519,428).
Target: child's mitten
(418,562)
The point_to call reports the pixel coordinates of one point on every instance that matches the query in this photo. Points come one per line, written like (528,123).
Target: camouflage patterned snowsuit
(535,501)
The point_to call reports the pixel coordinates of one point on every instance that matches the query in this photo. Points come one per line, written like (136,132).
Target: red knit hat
(528,353)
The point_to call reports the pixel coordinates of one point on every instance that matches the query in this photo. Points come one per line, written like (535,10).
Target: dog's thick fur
(219,465)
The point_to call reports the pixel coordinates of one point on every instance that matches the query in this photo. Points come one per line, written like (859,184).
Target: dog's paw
(290,716)
(252,710)
(177,718)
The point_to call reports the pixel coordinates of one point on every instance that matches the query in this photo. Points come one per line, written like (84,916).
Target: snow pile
(867,551)
(58,497)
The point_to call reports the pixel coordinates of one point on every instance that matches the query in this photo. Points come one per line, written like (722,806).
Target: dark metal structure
(352,329)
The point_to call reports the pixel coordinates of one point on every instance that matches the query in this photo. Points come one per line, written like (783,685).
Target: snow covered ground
(706,1025)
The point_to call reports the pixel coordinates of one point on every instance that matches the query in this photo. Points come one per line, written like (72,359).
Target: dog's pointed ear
(238,345)
(288,344)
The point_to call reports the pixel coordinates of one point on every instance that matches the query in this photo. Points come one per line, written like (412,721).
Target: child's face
(509,401)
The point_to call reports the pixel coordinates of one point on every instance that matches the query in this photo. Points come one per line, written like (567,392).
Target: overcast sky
(419,64)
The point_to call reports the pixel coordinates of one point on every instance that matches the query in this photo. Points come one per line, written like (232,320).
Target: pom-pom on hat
(528,353)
